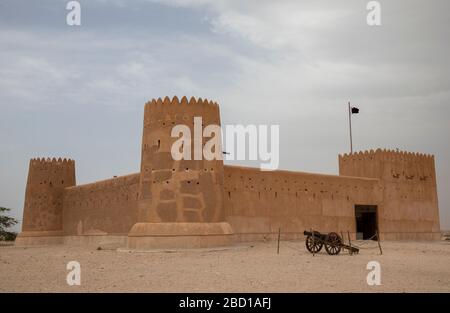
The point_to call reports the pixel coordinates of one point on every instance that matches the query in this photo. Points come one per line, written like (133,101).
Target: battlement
(184,101)
(50,161)
(386,154)
(44,171)
(165,112)
(51,172)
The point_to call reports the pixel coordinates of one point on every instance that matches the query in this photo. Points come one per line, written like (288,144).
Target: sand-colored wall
(107,207)
(47,180)
(410,205)
(185,190)
(258,203)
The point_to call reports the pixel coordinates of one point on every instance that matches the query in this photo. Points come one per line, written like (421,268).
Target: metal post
(349,241)
(350,124)
(312,232)
(279,234)
(378,239)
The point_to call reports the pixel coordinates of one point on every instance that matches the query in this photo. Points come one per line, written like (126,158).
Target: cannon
(333,243)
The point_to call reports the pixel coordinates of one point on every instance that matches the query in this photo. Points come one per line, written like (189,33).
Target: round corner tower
(179,197)
(42,213)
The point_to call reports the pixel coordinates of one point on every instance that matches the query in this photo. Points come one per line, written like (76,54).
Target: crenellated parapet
(386,154)
(52,161)
(51,172)
(167,112)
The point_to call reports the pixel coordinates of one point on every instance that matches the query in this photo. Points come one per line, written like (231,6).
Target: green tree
(5,223)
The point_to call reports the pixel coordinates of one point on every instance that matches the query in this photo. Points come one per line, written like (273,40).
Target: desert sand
(247,267)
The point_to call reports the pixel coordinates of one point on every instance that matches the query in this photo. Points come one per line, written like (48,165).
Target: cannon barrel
(316,234)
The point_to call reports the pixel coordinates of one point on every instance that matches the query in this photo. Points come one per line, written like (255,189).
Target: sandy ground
(250,267)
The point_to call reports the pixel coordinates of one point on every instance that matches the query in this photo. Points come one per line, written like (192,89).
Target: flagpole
(350,124)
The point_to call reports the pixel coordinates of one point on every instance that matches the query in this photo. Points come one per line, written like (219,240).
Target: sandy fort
(204,203)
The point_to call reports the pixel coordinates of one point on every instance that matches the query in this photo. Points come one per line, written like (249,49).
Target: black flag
(355,110)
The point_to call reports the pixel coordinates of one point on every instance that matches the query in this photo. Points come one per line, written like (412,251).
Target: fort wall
(107,207)
(258,203)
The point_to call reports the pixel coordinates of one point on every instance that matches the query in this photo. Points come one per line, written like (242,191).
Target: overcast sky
(79,91)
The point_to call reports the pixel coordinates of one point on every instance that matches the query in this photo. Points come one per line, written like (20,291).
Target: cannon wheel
(333,244)
(313,247)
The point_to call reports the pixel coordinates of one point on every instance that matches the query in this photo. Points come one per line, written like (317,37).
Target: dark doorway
(366,222)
